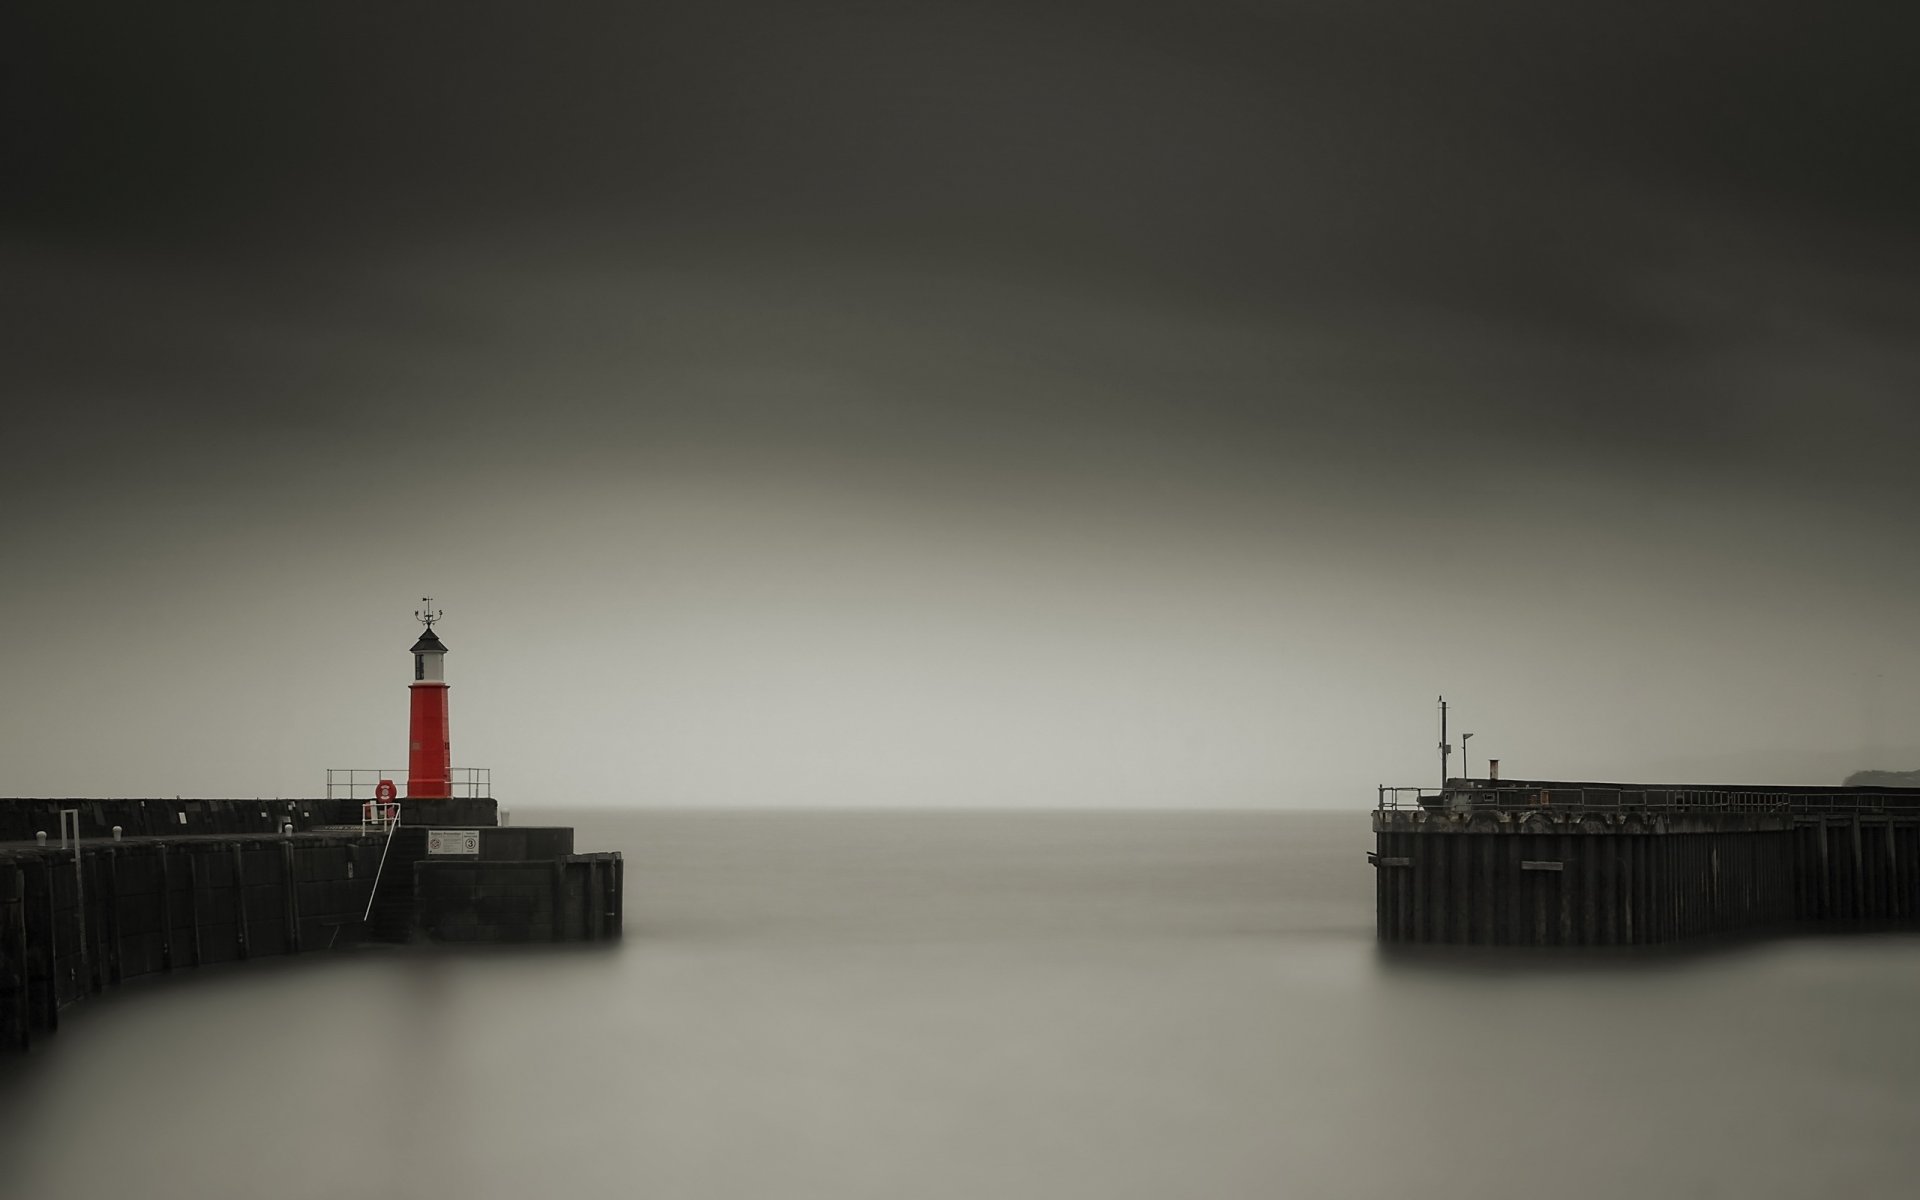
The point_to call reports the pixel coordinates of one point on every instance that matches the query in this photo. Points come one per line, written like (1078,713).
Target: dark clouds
(1577,177)
(1439,132)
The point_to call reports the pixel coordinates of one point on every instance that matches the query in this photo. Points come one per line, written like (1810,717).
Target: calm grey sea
(943,1005)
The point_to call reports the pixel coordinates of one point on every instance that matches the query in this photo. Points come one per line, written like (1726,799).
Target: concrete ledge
(23,817)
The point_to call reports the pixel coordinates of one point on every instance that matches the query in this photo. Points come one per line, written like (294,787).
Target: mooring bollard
(41,837)
(286,827)
(116,833)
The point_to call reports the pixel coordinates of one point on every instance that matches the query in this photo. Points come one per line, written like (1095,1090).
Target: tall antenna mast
(1444,748)
(427,615)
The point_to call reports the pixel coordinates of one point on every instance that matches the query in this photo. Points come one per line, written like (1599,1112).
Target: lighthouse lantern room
(429,754)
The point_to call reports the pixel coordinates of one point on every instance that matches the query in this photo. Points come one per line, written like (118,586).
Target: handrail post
(79,892)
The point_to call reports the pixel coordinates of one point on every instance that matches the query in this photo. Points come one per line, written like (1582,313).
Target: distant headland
(1904,779)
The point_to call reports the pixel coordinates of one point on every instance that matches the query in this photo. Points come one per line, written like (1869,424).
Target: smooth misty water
(987,1005)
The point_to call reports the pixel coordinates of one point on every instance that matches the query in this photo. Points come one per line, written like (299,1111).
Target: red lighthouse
(429,757)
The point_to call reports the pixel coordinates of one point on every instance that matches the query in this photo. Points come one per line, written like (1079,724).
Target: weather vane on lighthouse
(427,615)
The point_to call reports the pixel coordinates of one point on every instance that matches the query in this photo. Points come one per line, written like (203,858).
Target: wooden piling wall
(161,884)
(153,906)
(1863,868)
(1539,880)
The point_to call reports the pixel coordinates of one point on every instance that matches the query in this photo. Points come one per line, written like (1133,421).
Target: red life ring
(384,791)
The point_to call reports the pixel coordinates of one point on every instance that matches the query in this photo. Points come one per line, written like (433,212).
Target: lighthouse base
(450,811)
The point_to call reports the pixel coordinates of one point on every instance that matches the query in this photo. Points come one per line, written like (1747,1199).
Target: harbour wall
(1514,868)
(80,917)
(149,906)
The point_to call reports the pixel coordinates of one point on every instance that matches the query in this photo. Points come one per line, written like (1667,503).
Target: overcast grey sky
(1020,404)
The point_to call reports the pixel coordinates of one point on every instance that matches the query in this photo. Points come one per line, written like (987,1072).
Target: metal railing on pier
(359,783)
(1407,797)
(1471,795)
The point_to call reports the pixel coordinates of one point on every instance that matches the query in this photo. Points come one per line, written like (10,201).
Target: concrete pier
(191,882)
(1531,863)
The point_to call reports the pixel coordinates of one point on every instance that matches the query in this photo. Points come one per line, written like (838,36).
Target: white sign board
(453,841)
